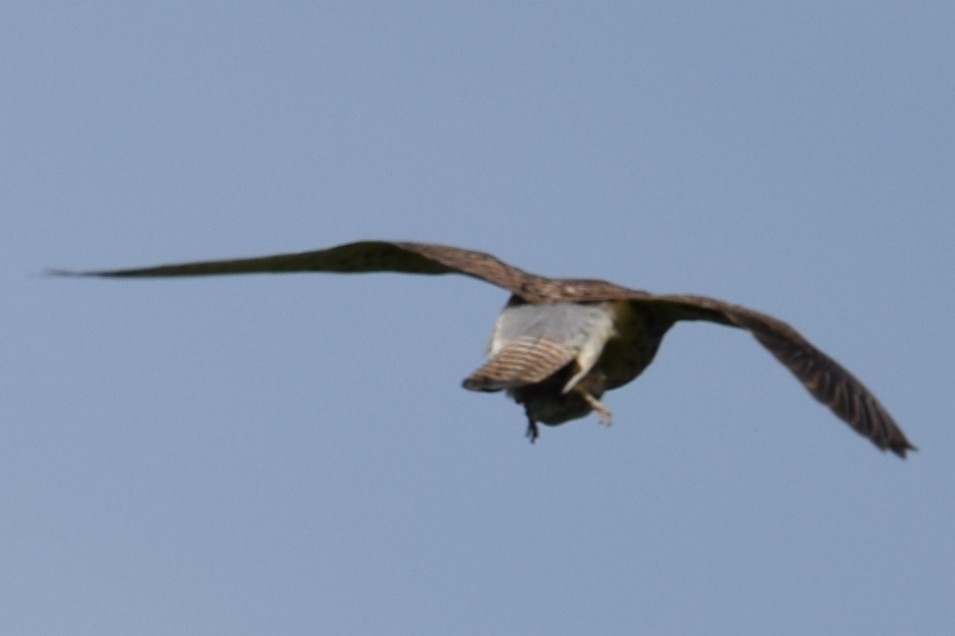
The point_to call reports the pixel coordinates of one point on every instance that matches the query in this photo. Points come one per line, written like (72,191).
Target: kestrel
(560,343)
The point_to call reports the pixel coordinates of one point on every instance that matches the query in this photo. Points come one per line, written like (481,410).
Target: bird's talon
(603,413)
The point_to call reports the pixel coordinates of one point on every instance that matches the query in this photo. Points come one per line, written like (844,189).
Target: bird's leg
(603,413)
(532,431)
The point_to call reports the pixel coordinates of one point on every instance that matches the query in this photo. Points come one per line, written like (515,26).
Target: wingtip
(60,273)
(901,449)
(71,273)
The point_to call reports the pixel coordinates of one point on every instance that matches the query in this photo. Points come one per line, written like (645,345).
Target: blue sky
(293,454)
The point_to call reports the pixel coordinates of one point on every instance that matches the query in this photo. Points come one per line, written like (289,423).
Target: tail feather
(520,362)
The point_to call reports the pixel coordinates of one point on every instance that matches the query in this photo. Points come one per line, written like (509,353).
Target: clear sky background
(294,454)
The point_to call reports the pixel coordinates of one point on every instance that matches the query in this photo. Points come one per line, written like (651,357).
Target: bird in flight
(560,343)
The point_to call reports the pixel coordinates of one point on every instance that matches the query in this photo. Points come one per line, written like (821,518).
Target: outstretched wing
(827,380)
(359,257)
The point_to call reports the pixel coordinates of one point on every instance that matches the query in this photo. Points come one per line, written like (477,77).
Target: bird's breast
(638,331)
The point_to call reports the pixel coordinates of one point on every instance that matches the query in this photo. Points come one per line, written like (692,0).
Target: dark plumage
(648,316)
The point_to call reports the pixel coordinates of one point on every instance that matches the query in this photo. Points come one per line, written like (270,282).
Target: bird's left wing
(350,258)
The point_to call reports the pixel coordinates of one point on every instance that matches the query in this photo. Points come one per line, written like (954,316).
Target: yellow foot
(603,413)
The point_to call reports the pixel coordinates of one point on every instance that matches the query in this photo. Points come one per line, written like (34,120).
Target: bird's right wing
(827,380)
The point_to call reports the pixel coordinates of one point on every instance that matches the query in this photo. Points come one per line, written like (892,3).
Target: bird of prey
(560,343)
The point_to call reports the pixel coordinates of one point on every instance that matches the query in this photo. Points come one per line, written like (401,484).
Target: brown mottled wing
(363,256)
(827,380)
(521,361)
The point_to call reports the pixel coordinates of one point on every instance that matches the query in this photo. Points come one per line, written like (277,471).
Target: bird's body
(560,344)
(558,359)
